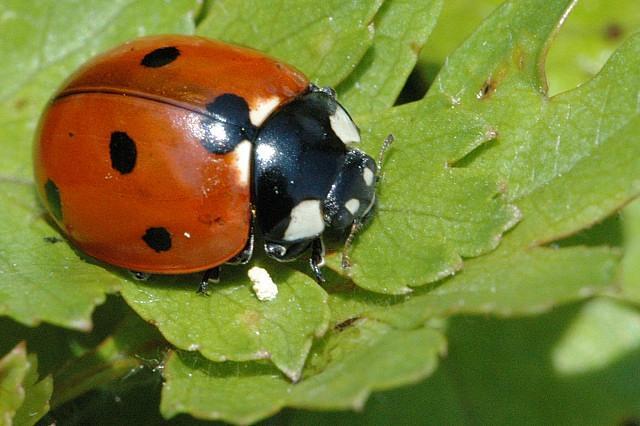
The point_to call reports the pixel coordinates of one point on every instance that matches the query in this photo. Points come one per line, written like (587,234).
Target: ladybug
(160,155)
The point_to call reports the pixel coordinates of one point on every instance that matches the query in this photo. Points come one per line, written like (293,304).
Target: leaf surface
(37,395)
(401,29)
(13,370)
(503,283)
(62,287)
(345,367)
(325,40)
(231,323)
(572,366)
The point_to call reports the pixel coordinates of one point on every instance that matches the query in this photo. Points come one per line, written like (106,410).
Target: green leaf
(429,213)
(238,393)
(401,29)
(37,395)
(596,186)
(562,368)
(325,40)
(344,368)
(23,399)
(592,32)
(482,142)
(232,324)
(133,346)
(573,366)
(562,145)
(55,345)
(364,356)
(456,22)
(505,282)
(542,138)
(14,367)
(435,401)
(602,332)
(35,261)
(502,55)
(630,274)
(598,169)
(43,45)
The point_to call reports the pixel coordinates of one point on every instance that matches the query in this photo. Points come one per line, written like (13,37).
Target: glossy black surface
(350,184)
(160,57)
(159,239)
(220,137)
(123,152)
(228,126)
(297,157)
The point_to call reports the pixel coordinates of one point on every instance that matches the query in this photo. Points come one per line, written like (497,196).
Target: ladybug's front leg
(212,274)
(316,261)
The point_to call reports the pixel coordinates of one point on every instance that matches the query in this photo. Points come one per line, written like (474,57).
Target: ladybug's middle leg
(212,274)
(316,261)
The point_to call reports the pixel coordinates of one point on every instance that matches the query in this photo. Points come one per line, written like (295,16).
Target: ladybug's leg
(317,259)
(212,274)
(139,276)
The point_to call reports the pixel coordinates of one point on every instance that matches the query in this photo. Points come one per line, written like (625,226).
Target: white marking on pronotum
(262,109)
(352,205)
(243,161)
(306,221)
(187,234)
(367,175)
(263,286)
(343,127)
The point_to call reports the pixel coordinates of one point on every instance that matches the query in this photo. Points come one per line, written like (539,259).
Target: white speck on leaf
(263,286)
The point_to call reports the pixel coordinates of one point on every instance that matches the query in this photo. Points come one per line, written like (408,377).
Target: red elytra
(119,159)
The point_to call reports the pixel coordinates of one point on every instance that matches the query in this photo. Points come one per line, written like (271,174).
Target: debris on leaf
(263,286)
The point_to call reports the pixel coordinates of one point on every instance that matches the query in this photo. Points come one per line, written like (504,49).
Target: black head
(352,195)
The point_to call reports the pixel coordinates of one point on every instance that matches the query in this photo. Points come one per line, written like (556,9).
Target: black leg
(212,274)
(317,260)
(139,276)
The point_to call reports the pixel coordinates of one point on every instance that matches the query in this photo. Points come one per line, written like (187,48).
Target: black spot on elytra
(123,152)
(229,125)
(219,137)
(71,134)
(53,199)
(230,108)
(158,239)
(160,57)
